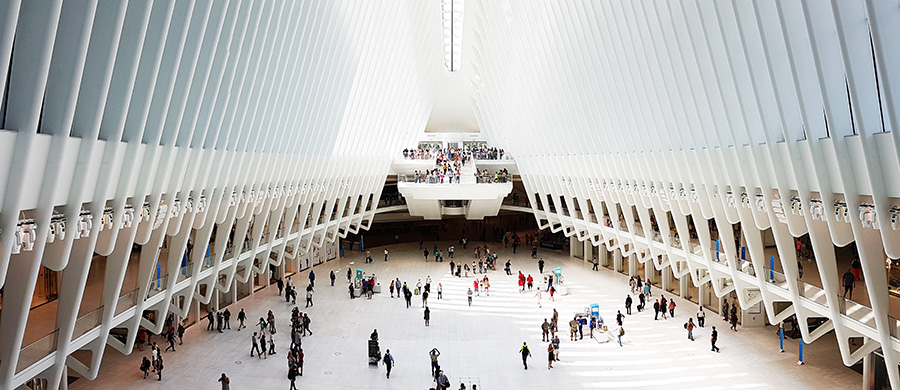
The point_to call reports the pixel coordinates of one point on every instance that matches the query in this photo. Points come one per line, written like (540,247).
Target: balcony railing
(126,301)
(87,321)
(37,350)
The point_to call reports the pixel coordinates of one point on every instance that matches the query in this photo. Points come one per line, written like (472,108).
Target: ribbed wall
(157,119)
(771,114)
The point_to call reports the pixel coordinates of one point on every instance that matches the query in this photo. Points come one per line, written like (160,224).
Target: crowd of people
(665,308)
(500,176)
(464,154)
(485,261)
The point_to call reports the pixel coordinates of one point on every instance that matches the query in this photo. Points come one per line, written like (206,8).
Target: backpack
(621,331)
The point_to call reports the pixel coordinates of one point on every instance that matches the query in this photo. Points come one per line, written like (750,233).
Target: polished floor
(480,344)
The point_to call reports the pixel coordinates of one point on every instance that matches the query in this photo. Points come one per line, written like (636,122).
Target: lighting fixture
(816,209)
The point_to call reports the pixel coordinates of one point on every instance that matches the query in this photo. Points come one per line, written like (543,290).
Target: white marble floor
(480,344)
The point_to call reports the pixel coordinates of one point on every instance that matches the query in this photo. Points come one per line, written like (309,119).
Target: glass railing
(185,272)
(87,321)
(814,293)
(208,261)
(857,311)
(37,350)
(895,326)
(776,278)
(747,268)
(126,301)
(157,285)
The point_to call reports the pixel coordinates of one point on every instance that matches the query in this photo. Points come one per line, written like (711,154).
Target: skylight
(452,31)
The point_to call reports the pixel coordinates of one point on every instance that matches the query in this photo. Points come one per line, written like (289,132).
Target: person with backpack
(621,333)
(525,354)
(145,367)
(159,368)
(690,328)
(388,362)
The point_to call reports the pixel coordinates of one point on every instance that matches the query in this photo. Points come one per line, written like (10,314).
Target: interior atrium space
(449,194)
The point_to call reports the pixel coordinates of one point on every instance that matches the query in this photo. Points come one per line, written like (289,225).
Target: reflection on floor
(480,344)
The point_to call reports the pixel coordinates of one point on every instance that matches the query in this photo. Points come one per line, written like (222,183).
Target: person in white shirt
(701,317)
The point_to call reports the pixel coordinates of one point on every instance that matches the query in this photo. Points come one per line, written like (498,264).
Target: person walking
(701,317)
(734,321)
(545,331)
(392,288)
(672,308)
(440,290)
(306,321)
(620,334)
(713,337)
(690,328)
(170,338)
(407,295)
(225,381)
(619,318)
(425,298)
(349,273)
(628,304)
(280,284)
(309,297)
(525,354)
(596,264)
(642,301)
(388,362)
(856,266)
(469,294)
(530,281)
(849,282)
(312,278)
(541,265)
(385,254)
(725,310)
(427,316)
(332,276)
(211,317)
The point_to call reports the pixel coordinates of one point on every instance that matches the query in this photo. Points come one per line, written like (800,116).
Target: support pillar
(617,260)
(666,281)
